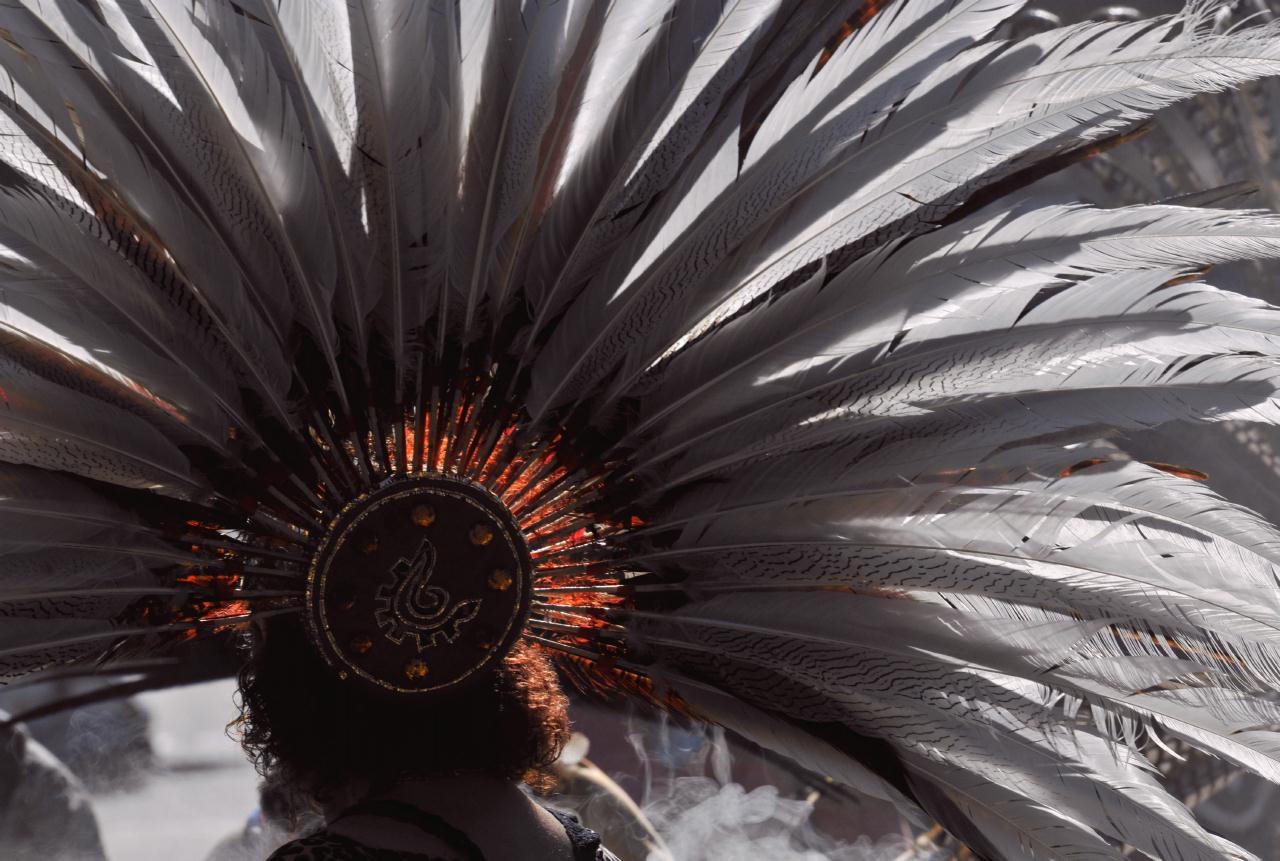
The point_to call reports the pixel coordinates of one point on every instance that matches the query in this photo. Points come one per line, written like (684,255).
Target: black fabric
(327,846)
(585,842)
(399,811)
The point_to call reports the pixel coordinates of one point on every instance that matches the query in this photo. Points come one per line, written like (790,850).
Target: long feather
(1173,70)
(707,78)
(1003,260)
(710,242)
(184,220)
(276,164)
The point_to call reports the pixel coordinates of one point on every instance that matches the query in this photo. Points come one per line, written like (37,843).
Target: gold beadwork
(500,580)
(424,515)
(415,669)
(481,534)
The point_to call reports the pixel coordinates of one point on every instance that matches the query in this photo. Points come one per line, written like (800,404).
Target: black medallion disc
(419,585)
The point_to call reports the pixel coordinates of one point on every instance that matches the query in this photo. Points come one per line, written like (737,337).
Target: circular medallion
(419,585)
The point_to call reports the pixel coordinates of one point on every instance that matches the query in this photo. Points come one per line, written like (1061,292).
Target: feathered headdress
(717,347)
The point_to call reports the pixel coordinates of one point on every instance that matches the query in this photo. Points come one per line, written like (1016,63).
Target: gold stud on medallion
(423,515)
(361,644)
(370,545)
(415,669)
(500,580)
(481,534)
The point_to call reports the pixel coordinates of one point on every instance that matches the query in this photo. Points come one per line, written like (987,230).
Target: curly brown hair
(304,728)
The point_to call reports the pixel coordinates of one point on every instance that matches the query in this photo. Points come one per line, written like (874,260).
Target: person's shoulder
(328,846)
(321,847)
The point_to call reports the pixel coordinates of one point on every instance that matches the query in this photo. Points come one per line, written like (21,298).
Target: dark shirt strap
(585,842)
(399,811)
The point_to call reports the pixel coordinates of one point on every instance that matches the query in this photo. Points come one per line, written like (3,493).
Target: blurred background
(160,769)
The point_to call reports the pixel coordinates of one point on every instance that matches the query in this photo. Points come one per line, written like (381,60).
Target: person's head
(323,737)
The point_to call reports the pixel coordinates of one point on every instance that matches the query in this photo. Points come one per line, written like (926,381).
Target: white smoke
(703,819)
(691,798)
